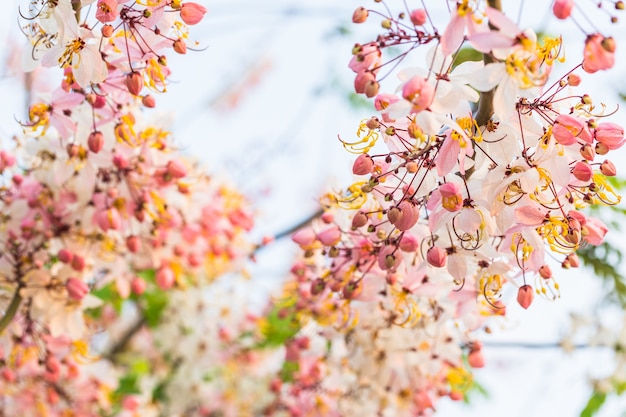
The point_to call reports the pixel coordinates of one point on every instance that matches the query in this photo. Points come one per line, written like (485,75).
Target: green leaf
(279,326)
(109,295)
(289,368)
(594,404)
(604,260)
(155,303)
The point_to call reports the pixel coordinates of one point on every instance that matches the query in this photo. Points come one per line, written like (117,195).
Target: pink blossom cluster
(99,206)
(469,179)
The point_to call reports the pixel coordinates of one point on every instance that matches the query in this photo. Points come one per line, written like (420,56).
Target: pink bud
(525,296)
(608,168)
(389,258)
(107,31)
(545,272)
(8,375)
(596,56)
(65,256)
(165,277)
(588,152)
(363,165)
(610,134)
(176,169)
(148,101)
(573,80)
(329,236)
(476,358)
(436,256)
(573,260)
(327,217)
(130,403)
(362,80)
(133,243)
(95,142)
(410,216)
(180,46)
(192,13)
(120,161)
(134,83)
(138,286)
(76,289)
(418,17)
(408,243)
(562,9)
(359,220)
(582,171)
(419,92)
(78,262)
(304,237)
(371,88)
(360,15)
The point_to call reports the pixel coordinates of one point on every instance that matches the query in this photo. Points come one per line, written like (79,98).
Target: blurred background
(261,104)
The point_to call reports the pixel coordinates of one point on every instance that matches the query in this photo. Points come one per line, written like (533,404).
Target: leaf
(594,404)
(155,303)
(289,368)
(604,260)
(279,326)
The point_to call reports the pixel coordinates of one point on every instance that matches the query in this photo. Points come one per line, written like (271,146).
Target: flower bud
(76,289)
(573,80)
(120,161)
(582,171)
(192,13)
(545,272)
(418,17)
(525,296)
(176,169)
(588,152)
(148,101)
(573,260)
(436,256)
(608,168)
(610,134)
(134,83)
(476,358)
(410,216)
(138,286)
(371,88)
(363,165)
(599,53)
(562,9)
(165,277)
(65,256)
(133,243)
(95,142)
(394,215)
(304,237)
(408,243)
(373,123)
(78,263)
(352,290)
(180,46)
(359,220)
(107,31)
(329,236)
(317,286)
(360,15)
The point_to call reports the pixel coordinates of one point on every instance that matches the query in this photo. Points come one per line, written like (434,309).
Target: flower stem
(485,104)
(11,310)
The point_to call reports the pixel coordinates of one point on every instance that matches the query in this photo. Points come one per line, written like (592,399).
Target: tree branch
(11,309)
(485,103)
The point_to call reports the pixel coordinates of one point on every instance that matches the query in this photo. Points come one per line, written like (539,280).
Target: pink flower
(594,231)
(408,243)
(567,129)
(106,11)
(562,9)
(192,13)
(451,197)
(610,134)
(419,93)
(304,237)
(599,53)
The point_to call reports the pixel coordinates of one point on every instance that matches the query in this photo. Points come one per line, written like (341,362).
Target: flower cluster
(483,174)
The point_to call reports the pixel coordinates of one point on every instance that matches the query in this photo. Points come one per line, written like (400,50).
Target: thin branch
(9,314)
